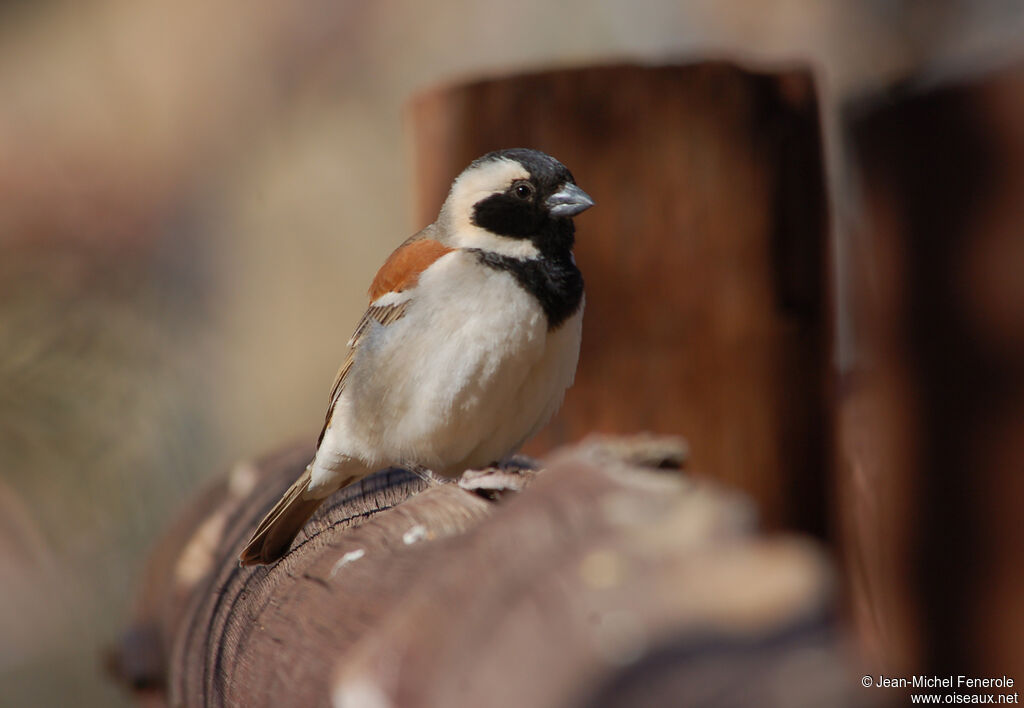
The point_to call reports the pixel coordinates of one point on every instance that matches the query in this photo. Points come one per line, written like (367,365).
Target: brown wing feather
(403,267)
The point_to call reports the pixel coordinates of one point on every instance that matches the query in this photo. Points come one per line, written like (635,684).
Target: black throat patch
(555,281)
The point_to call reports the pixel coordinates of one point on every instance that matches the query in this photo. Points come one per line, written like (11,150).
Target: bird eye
(523,190)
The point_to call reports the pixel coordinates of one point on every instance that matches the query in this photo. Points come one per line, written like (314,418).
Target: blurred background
(195,195)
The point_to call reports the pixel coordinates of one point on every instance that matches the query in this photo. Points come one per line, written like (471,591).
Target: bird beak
(570,200)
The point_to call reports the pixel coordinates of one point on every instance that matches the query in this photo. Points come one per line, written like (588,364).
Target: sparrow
(469,343)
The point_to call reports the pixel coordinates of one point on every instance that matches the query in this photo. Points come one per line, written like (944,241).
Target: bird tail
(279,527)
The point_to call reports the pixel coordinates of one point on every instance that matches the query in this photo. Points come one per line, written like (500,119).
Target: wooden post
(932,412)
(606,579)
(704,257)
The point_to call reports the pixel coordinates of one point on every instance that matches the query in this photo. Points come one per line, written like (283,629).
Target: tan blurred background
(193,198)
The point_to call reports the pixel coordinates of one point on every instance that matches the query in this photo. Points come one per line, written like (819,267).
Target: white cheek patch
(474,185)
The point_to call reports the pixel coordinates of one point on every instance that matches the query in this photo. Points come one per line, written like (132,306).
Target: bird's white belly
(461,380)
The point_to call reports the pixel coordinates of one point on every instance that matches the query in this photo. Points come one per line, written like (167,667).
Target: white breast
(462,380)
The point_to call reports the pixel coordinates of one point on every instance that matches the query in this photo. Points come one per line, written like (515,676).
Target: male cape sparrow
(469,343)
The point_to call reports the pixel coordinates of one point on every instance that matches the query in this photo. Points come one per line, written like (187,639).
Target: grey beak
(570,200)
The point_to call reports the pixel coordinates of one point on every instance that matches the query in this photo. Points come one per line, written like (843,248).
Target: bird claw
(511,475)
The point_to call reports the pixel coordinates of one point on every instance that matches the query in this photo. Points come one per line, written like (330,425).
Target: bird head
(516,202)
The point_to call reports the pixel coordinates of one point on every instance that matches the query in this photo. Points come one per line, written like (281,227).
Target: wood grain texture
(185,558)
(704,258)
(267,636)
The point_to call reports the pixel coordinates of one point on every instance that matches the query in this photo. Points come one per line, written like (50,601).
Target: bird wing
(400,272)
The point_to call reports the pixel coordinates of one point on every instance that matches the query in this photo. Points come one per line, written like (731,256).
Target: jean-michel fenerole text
(943,682)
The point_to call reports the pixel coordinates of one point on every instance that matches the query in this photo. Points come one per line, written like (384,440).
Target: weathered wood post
(932,409)
(607,579)
(704,258)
